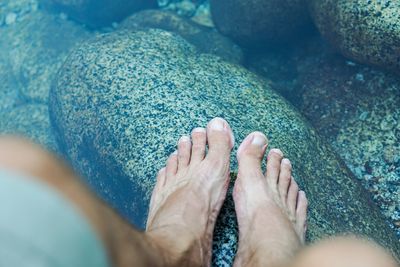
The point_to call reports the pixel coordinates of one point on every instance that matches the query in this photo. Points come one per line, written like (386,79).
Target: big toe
(220,140)
(251,153)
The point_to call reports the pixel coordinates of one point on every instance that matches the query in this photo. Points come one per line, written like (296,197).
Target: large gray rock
(354,107)
(123,99)
(30,121)
(37,46)
(99,13)
(206,40)
(259,23)
(365,31)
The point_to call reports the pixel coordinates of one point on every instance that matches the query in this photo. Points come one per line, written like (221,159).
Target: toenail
(217,124)
(184,139)
(277,151)
(199,130)
(286,162)
(259,140)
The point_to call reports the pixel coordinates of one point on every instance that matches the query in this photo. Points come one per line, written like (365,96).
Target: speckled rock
(354,107)
(31,121)
(12,11)
(197,10)
(206,40)
(36,47)
(99,13)
(257,23)
(365,31)
(123,99)
(9,91)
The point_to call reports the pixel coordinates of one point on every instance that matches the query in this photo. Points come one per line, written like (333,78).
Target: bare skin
(189,194)
(343,252)
(271,210)
(125,245)
(186,201)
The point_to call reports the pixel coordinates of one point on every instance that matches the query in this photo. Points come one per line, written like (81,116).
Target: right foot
(271,210)
(189,194)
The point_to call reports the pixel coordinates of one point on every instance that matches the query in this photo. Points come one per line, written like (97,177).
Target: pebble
(360,77)
(11,18)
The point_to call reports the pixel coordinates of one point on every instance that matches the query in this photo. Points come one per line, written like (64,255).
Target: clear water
(340,97)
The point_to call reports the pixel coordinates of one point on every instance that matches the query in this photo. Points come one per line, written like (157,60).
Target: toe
(251,153)
(172,166)
(273,166)
(284,178)
(199,139)
(219,138)
(161,177)
(184,150)
(301,214)
(291,201)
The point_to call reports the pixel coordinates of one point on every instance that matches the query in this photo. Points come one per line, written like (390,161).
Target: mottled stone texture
(30,121)
(354,107)
(9,93)
(99,13)
(122,100)
(259,23)
(37,46)
(206,40)
(365,31)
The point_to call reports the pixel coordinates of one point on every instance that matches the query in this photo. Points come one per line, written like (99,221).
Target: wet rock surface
(136,93)
(98,13)
(261,23)
(9,94)
(354,107)
(206,40)
(196,10)
(30,121)
(37,44)
(357,109)
(365,31)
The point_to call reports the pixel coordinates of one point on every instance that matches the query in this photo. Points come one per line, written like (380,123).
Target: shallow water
(354,107)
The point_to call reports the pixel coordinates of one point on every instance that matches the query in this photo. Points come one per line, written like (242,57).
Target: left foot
(271,211)
(189,194)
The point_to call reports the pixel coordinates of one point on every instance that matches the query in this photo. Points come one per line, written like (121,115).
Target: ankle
(182,250)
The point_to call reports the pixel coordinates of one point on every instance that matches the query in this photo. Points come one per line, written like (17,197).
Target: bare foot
(189,194)
(271,210)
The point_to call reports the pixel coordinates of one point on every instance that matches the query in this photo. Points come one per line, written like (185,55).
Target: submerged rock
(30,121)
(123,99)
(259,23)
(99,13)
(205,39)
(354,107)
(9,91)
(365,31)
(37,47)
